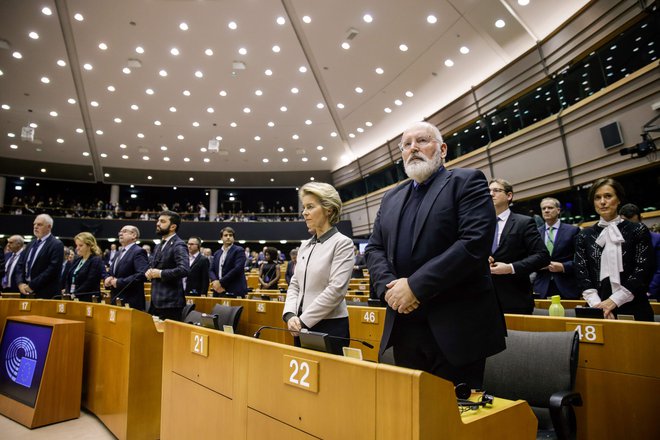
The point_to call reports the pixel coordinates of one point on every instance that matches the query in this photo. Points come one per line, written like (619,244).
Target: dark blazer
(520,245)
(638,266)
(361,264)
(87,279)
(290,268)
(563,252)
(46,267)
(65,268)
(129,272)
(233,271)
(451,241)
(198,277)
(172,259)
(13,285)
(106,257)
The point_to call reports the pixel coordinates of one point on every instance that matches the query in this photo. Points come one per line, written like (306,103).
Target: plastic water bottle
(556,309)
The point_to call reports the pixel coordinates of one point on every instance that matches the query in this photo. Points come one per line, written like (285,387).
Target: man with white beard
(428,259)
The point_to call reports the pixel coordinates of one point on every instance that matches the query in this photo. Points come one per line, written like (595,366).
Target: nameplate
(261,307)
(370,317)
(112,315)
(226,303)
(301,373)
(61,308)
(354,353)
(89,311)
(588,333)
(199,344)
(25,306)
(228,329)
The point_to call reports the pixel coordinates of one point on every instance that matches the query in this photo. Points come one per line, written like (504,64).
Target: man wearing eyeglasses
(197,281)
(516,251)
(125,276)
(428,259)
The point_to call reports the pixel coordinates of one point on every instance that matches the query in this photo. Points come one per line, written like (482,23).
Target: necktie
(5,279)
(550,243)
(493,247)
(33,253)
(118,258)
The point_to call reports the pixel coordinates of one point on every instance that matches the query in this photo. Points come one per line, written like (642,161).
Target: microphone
(309,332)
(268,327)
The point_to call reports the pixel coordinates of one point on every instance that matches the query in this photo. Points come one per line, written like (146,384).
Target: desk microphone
(268,327)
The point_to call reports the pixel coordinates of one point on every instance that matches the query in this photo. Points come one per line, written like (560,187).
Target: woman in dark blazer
(84,276)
(614,257)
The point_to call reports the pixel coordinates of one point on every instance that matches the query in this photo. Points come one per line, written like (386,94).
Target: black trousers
(173,313)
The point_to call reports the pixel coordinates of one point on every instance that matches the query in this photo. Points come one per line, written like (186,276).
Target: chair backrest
(227,315)
(533,366)
(186,310)
(193,317)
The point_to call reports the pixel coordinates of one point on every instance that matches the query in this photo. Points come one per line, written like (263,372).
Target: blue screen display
(23,353)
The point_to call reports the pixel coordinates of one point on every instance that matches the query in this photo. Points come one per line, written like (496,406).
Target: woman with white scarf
(614,259)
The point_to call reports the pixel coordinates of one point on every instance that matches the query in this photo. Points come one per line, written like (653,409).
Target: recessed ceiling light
(145,158)
(33,125)
(409,94)
(139,49)
(117,120)
(432,19)
(280,149)
(333,134)
(186,93)
(140,135)
(271,124)
(186,159)
(500,23)
(273,180)
(294,90)
(134,107)
(11,135)
(103,46)
(403,47)
(126,70)
(265,160)
(85,153)
(304,159)
(302,69)
(268,72)
(209,52)
(53,113)
(308,122)
(203,149)
(280,20)
(174,51)
(17,55)
(166,159)
(258,92)
(149,91)
(45,80)
(183,26)
(359,90)
(33,35)
(233,125)
(87,66)
(449,63)
(79,17)
(60,140)
(345,45)
(276,49)
(124,156)
(163,148)
(163,73)
(79,130)
(242,51)
(122,146)
(340,105)
(199,74)
(307,19)
(61,63)
(295,137)
(464,50)
(231,179)
(158,123)
(379,70)
(195,124)
(180,137)
(46,11)
(222,93)
(398,102)
(387,110)
(207,160)
(149,177)
(283,109)
(94,104)
(107,174)
(320,105)
(319,147)
(360,130)
(257,138)
(111,88)
(232,25)
(523,2)
(173,109)
(285,160)
(351,135)
(103,155)
(246,110)
(367,18)
(210,110)
(242,150)
(323,158)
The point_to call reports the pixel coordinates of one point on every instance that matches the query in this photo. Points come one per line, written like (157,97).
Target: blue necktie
(33,253)
(5,279)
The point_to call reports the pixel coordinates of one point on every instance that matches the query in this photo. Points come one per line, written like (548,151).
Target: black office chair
(194,318)
(227,315)
(539,367)
(186,310)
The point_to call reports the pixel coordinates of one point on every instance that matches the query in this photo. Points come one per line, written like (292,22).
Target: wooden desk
(619,379)
(236,397)
(121,366)
(571,304)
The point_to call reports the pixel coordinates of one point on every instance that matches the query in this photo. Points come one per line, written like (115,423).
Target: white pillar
(114,194)
(213,203)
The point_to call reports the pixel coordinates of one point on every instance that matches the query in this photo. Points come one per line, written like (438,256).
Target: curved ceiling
(125,87)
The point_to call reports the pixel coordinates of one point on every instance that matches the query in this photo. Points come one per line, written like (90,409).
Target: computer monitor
(23,352)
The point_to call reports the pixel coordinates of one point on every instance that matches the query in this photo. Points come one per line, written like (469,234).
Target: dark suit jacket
(520,245)
(46,267)
(290,268)
(233,271)
(451,241)
(129,272)
(87,279)
(562,252)
(361,263)
(13,285)
(638,266)
(198,277)
(172,259)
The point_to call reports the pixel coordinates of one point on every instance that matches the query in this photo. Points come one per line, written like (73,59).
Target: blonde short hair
(328,197)
(90,241)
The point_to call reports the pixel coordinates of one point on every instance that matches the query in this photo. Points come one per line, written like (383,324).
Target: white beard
(420,170)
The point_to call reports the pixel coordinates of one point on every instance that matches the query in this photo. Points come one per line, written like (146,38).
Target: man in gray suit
(168,266)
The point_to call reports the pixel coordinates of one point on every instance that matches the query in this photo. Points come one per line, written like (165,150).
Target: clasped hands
(152,273)
(400,297)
